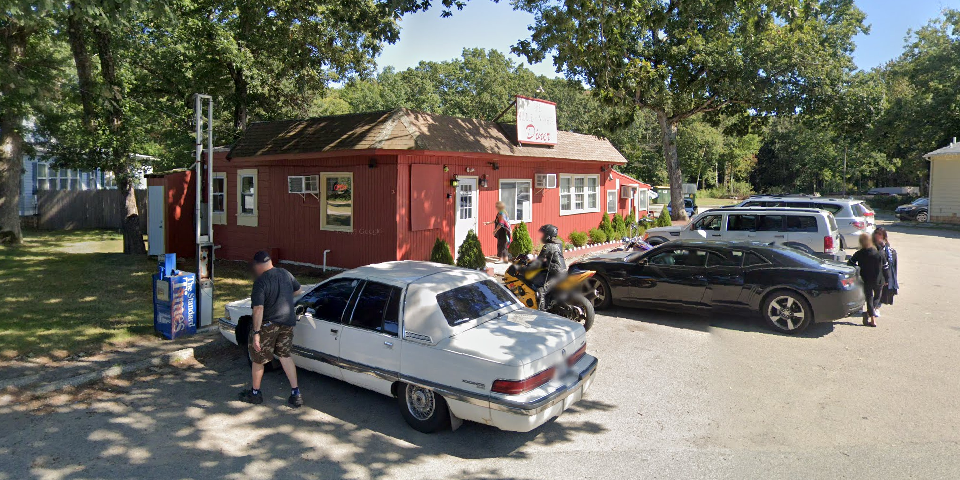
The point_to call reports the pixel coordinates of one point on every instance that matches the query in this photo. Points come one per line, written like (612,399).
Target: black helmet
(549,231)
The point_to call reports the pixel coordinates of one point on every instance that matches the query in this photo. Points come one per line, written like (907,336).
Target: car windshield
(473,301)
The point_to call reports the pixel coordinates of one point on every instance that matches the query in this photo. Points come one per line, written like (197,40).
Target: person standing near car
(871,272)
(501,230)
(272,332)
(889,255)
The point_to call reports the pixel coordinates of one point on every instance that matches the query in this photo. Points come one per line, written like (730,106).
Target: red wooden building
(372,187)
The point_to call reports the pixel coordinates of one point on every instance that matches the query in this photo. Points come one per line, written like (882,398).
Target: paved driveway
(675,397)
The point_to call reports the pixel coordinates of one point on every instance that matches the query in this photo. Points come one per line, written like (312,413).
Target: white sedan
(450,344)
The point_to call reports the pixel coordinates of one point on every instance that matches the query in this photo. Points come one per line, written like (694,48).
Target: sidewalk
(569,256)
(48,376)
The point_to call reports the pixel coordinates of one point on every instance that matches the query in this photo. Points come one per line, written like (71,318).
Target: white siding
(28,201)
(945,189)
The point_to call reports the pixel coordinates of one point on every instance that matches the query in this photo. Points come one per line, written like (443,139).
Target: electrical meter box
(174,301)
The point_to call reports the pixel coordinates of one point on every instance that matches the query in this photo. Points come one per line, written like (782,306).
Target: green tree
(677,59)
(606,226)
(619,226)
(470,253)
(441,252)
(522,244)
(664,219)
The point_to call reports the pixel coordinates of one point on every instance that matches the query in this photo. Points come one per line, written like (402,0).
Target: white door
(316,338)
(707,227)
(369,346)
(467,214)
(155,204)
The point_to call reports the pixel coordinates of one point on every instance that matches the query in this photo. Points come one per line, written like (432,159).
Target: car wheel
(787,312)
(843,244)
(922,217)
(423,409)
(597,291)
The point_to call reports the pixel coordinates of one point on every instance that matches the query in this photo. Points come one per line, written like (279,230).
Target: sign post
(536,121)
(204,211)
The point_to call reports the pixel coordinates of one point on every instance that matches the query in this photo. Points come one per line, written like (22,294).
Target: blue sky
(482,23)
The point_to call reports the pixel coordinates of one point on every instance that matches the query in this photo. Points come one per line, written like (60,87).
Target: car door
(741,227)
(802,233)
(724,278)
(369,347)
(770,229)
(707,227)
(316,338)
(671,278)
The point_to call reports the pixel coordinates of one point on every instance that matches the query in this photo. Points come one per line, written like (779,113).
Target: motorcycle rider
(551,256)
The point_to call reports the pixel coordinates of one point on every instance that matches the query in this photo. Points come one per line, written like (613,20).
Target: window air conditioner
(546,180)
(626,191)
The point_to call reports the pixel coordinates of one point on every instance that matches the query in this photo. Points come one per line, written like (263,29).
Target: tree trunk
(123,164)
(81,59)
(240,98)
(11,141)
(668,131)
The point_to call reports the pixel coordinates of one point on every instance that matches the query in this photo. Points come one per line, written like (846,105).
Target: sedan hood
(674,229)
(515,338)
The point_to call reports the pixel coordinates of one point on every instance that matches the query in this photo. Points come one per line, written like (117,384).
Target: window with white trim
(336,209)
(611,201)
(579,194)
(516,195)
(303,184)
(219,188)
(247,210)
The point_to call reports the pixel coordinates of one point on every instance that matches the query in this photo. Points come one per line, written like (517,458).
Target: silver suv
(813,231)
(853,216)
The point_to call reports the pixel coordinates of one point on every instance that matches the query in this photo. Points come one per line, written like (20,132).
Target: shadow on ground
(703,323)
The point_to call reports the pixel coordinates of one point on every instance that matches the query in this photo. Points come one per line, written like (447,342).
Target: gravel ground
(675,397)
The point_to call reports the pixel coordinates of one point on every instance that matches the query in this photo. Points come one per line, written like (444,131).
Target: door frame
(456,208)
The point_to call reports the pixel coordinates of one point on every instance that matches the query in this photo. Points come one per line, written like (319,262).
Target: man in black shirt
(273,320)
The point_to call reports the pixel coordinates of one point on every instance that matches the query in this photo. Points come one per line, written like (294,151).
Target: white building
(945,183)
(42,175)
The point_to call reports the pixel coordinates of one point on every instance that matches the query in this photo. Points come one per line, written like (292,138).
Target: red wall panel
(426,192)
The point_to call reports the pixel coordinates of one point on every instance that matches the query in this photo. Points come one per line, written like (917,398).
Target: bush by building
(606,226)
(664,219)
(470,254)
(597,235)
(522,244)
(441,253)
(619,226)
(578,239)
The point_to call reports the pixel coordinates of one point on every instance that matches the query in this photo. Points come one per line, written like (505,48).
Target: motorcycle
(564,298)
(635,244)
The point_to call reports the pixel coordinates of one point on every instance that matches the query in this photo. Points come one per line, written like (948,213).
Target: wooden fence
(76,209)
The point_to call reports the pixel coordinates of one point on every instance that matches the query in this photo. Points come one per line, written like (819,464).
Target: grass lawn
(715,202)
(63,293)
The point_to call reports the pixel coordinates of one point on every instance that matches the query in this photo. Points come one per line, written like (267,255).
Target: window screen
(377,308)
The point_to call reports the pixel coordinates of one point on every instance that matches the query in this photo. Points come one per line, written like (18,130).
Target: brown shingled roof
(404,129)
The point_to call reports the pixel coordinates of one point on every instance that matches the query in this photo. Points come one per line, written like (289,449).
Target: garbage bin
(174,300)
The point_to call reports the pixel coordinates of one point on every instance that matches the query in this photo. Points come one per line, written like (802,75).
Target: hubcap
(922,217)
(593,291)
(420,402)
(786,312)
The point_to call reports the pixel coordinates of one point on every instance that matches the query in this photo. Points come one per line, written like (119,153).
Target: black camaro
(789,288)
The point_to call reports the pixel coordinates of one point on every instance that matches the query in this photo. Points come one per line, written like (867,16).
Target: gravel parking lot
(675,397)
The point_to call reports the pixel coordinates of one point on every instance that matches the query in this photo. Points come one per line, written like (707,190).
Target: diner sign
(536,121)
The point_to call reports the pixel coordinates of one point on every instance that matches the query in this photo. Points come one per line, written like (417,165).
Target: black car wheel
(787,312)
(922,217)
(423,409)
(597,291)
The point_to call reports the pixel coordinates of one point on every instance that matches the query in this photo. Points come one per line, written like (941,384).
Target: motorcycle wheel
(580,310)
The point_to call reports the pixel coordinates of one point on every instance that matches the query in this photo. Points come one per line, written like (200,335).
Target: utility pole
(203,179)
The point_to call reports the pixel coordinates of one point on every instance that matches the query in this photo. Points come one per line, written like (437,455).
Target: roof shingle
(404,129)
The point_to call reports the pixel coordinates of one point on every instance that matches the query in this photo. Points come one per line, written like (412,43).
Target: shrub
(619,226)
(578,239)
(631,219)
(441,253)
(470,254)
(606,226)
(597,235)
(664,219)
(522,244)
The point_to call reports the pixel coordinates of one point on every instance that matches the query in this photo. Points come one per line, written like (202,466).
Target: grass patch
(63,293)
(715,202)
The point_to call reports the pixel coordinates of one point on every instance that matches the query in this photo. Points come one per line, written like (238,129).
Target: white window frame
(303,184)
(220,218)
(528,213)
(248,219)
(572,194)
(612,198)
(322,185)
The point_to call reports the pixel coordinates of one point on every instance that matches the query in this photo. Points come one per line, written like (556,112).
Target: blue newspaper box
(175,304)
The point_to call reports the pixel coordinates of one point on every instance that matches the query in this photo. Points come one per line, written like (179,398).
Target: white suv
(807,229)
(853,216)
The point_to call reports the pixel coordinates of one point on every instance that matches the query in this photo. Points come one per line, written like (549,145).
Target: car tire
(843,244)
(597,290)
(922,217)
(654,241)
(423,409)
(243,332)
(786,311)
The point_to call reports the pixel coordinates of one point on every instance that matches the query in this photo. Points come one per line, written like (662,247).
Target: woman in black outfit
(871,271)
(889,255)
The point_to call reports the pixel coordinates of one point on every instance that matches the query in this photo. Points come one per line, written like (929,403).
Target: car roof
(804,198)
(402,272)
(764,209)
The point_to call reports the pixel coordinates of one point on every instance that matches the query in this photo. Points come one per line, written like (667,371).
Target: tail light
(828,244)
(858,224)
(573,359)
(514,387)
(847,283)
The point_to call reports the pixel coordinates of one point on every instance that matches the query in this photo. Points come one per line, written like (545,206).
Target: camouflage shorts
(275,340)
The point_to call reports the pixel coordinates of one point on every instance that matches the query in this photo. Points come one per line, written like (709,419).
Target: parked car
(809,230)
(854,217)
(894,191)
(789,288)
(688,206)
(450,344)
(917,210)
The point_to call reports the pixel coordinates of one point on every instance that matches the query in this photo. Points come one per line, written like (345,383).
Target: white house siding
(945,189)
(28,201)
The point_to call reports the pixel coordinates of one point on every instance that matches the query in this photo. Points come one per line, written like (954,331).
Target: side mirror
(300,309)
